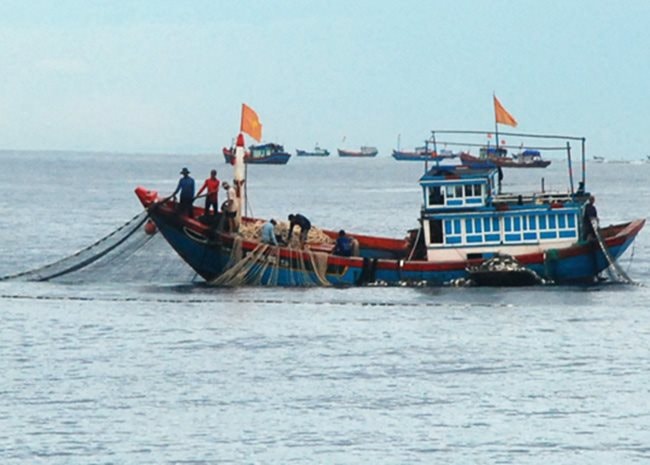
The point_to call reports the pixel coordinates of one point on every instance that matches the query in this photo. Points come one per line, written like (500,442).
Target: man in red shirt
(212,194)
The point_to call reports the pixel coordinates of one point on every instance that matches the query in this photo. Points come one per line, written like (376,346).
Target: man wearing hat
(186,188)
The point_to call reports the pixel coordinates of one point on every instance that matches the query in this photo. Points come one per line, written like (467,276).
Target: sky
(166,76)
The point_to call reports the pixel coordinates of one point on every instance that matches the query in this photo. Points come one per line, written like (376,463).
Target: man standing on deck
(186,188)
(590,219)
(212,194)
(231,207)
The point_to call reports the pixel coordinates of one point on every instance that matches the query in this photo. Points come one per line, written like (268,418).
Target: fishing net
(262,267)
(127,254)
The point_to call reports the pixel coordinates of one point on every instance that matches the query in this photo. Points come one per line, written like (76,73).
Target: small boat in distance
(365,151)
(599,159)
(263,154)
(317,152)
(423,154)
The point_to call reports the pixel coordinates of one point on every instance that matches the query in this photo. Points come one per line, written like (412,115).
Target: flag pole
(496,124)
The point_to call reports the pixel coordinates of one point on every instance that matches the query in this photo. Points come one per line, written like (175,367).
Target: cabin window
(435,231)
(436,196)
(468,190)
(507,224)
(542,222)
(532,223)
(552,223)
(459,191)
(478,225)
(469,226)
(453,231)
(572,221)
(517,223)
(561,219)
(450,191)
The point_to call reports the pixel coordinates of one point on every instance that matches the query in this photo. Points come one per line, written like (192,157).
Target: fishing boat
(364,151)
(465,220)
(316,152)
(498,156)
(422,154)
(263,154)
(598,159)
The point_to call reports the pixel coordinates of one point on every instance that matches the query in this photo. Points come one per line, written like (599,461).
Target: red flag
(501,115)
(250,123)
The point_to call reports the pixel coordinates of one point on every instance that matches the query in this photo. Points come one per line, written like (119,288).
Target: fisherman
(211,186)
(186,188)
(305,225)
(590,219)
(230,208)
(344,245)
(268,232)
(500,176)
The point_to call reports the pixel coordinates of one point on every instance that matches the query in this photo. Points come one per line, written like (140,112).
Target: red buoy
(150,228)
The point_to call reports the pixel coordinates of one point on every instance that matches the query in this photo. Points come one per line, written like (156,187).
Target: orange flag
(250,123)
(501,115)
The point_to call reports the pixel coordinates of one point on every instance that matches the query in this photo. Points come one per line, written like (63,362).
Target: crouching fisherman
(268,233)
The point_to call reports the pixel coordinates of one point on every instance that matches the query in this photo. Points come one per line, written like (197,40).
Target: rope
(610,259)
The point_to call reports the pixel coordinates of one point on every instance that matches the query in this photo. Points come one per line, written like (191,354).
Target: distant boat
(317,152)
(598,159)
(363,152)
(422,154)
(498,156)
(264,154)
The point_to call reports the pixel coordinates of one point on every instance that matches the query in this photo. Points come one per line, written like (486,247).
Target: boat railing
(540,198)
(451,134)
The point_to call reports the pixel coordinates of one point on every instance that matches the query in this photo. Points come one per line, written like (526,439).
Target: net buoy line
(80,259)
(298,303)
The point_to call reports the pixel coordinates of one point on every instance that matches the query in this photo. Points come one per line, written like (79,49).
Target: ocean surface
(136,361)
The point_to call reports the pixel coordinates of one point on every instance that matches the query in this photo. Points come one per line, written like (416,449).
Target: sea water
(139,361)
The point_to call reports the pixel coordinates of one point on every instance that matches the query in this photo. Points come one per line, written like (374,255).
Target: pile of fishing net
(252,231)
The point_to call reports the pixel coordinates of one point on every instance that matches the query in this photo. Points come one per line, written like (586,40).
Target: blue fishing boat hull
(212,253)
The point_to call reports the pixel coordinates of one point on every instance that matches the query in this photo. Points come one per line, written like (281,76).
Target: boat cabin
(265,150)
(529,156)
(465,214)
(492,152)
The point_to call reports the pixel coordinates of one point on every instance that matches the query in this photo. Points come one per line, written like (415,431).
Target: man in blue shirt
(186,188)
(343,245)
(268,233)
